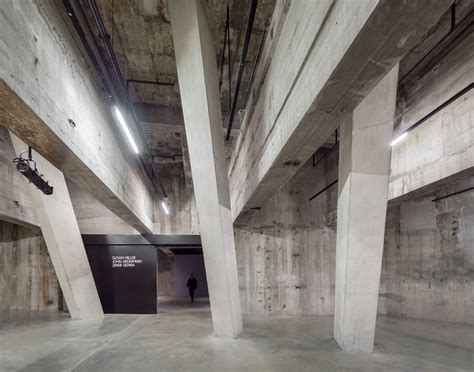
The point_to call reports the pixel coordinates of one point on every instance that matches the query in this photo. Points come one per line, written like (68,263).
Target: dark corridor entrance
(126,271)
(184,265)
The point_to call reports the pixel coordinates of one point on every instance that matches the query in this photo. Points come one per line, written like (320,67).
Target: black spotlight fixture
(24,167)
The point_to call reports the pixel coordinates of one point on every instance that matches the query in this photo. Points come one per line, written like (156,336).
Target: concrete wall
(183,217)
(428,259)
(286,251)
(27,277)
(428,265)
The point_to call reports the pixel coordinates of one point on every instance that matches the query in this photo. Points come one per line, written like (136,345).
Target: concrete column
(363,189)
(197,73)
(63,239)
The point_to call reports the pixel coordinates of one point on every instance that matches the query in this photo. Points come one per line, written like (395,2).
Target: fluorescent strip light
(399,139)
(165,207)
(126,129)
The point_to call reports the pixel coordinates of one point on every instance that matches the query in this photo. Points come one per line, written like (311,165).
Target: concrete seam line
(108,342)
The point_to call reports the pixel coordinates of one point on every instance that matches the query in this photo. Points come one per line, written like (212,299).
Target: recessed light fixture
(126,129)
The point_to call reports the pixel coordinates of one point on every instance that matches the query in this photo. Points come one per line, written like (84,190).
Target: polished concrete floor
(179,339)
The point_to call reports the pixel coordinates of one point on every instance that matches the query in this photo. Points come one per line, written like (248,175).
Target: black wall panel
(125,276)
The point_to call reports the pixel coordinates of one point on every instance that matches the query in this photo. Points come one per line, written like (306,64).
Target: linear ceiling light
(399,139)
(165,207)
(446,103)
(126,129)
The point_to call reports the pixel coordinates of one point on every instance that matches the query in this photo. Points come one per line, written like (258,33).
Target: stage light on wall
(399,139)
(165,207)
(126,129)
(31,173)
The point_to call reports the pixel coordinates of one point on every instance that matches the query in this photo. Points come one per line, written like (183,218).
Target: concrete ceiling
(140,33)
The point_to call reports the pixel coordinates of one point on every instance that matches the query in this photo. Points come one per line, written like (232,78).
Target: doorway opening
(178,269)
(154,268)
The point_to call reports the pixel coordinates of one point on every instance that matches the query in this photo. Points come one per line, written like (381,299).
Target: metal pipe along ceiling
(148,165)
(253,8)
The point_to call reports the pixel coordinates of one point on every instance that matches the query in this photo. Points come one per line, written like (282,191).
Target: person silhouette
(192,285)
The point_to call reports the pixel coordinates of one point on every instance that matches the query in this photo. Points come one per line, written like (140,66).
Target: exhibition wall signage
(125,276)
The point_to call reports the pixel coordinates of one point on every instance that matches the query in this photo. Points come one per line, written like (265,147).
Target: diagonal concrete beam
(21,120)
(49,99)
(62,236)
(324,58)
(188,177)
(364,162)
(197,74)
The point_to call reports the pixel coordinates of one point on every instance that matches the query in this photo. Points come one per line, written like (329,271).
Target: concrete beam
(197,74)
(63,239)
(93,217)
(442,147)
(324,58)
(364,162)
(49,99)
(166,116)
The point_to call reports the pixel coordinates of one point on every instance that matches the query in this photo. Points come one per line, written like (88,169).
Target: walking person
(192,285)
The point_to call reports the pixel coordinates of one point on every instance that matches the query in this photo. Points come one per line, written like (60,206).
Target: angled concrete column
(197,74)
(63,239)
(363,188)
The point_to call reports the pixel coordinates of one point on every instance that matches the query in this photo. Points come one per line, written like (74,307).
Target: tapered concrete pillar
(197,74)
(63,239)
(363,188)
